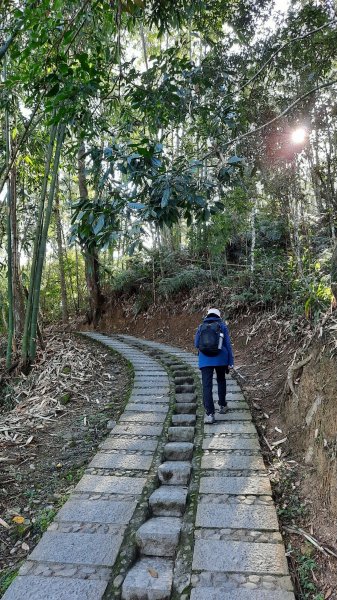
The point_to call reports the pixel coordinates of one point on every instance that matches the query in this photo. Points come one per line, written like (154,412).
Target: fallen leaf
(4,524)
(30,439)
(19,520)
(328,593)
(153,572)
(277,429)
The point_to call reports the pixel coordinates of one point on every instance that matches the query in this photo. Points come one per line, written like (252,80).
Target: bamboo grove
(135,126)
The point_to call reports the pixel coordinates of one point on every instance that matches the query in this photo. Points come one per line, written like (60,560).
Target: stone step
(135,417)
(147,407)
(135,429)
(97,511)
(151,398)
(178,451)
(188,389)
(149,579)
(188,408)
(180,434)
(184,420)
(117,460)
(130,444)
(187,380)
(234,415)
(55,588)
(185,398)
(235,442)
(236,516)
(205,593)
(110,484)
(239,557)
(168,501)
(238,486)
(78,548)
(174,472)
(230,427)
(159,536)
(234,462)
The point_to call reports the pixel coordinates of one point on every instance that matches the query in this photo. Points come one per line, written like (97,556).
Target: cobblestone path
(169,508)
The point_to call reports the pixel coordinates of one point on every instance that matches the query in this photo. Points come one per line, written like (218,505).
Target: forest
(170,155)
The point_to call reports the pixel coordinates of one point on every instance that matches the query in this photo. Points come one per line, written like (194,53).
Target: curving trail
(168,508)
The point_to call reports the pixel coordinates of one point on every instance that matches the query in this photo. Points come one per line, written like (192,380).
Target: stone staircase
(168,509)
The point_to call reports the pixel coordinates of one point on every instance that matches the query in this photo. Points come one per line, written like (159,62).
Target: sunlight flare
(298,136)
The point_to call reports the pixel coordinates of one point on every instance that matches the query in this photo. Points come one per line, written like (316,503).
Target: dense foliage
(206,128)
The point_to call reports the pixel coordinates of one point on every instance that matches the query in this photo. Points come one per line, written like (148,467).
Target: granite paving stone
(131,444)
(234,415)
(141,390)
(235,485)
(239,557)
(109,484)
(141,584)
(103,460)
(227,460)
(230,427)
(236,442)
(237,516)
(151,399)
(78,548)
(55,588)
(134,429)
(147,407)
(97,511)
(149,417)
(237,594)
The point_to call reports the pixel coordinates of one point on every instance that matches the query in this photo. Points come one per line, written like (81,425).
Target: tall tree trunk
(92,274)
(60,253)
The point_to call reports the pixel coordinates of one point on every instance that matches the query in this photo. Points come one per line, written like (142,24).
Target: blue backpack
(209,338)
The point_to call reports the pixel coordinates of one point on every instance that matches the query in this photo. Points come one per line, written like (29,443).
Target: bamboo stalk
(27,325)
(43,242)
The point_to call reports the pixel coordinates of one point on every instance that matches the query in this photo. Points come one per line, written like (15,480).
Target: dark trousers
(207,387)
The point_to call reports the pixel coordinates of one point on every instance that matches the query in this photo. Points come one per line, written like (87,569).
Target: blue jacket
(225,356)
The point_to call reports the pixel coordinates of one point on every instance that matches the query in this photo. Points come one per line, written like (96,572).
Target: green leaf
(165,197)
(235,160)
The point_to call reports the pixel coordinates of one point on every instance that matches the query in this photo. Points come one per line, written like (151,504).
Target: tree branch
(282,114)
(297,39)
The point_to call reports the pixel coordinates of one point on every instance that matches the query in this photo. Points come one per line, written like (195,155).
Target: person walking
(215,352)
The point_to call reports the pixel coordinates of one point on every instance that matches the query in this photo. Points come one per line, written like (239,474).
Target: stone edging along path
(167,509)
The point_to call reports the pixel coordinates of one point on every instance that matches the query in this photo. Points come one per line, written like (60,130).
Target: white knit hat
(214,311)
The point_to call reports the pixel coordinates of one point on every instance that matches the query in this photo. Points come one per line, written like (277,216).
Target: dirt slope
(305,490)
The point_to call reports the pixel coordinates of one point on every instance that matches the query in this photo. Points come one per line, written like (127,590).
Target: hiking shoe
(223,410)
(209,419)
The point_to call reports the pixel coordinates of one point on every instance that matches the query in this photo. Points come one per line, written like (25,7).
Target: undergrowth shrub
(128,281)
(183,281)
